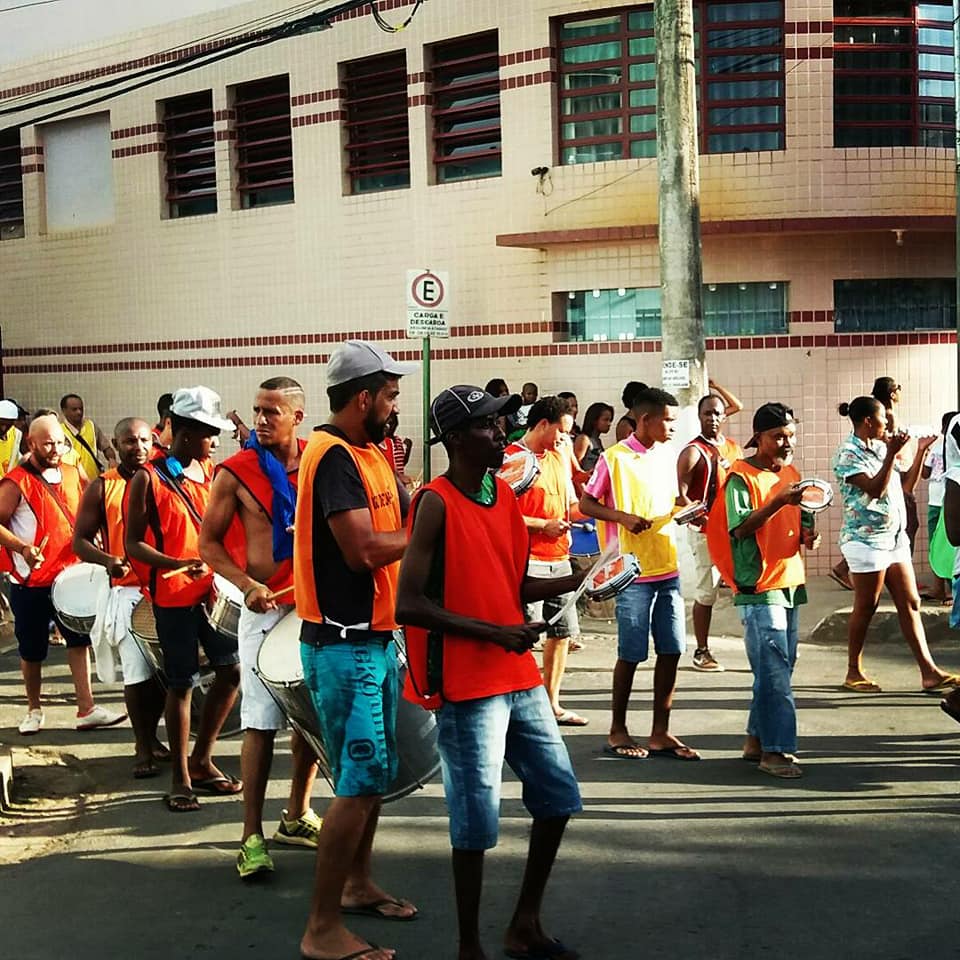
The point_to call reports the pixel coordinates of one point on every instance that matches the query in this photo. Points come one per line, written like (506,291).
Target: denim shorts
(653,606)
(476,736)
(181,632)
(32,611)
(569,624)
(354,688)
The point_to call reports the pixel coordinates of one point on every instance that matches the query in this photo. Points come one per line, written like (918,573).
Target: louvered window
(189,154)
(264,142)
(11,186)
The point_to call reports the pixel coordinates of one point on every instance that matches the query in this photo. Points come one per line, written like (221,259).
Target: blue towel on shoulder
(284,505)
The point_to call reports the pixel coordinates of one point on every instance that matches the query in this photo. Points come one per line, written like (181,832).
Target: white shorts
(134,666)
(862,558)
(258,709)
(708,577)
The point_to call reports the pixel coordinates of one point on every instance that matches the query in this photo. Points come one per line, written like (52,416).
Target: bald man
(38,502)
(98,538)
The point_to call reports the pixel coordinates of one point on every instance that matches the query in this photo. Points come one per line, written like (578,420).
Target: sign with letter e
(428,299)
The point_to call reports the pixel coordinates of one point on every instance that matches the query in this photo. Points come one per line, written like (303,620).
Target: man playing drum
(38,502)
(633,490)
(246,538)
(98,538)
(166,503)
(469,656)
(348,544)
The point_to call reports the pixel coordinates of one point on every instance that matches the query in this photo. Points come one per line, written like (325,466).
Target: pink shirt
(600,488)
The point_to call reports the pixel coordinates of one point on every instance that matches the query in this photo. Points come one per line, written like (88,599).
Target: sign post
(428,298)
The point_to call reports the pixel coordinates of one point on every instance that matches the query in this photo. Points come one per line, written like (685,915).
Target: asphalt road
(668,860)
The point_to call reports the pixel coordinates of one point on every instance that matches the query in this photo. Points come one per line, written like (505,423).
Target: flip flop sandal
(224,786)
(554,950)
(782,771)
(146,770)
(861,686)
(675,753)
(374,909)
(622,751)
(184,802)
(570,719)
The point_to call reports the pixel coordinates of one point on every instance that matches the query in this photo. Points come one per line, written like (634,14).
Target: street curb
(6,776)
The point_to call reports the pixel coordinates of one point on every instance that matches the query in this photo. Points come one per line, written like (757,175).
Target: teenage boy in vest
(98,538)
(39,500)
(347,548)
(701,470)
(463,584)
(755,533)
(246,538)
(633,490)
(546,507)
(86,438)
(165,507)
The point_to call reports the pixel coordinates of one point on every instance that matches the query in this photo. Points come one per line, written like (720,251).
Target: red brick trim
(648,231)
(526,56)
(139,131)
(420,100)
(31,168)
(224,115)
(808,26)
(319,96)
(311,118)
(225,135)
(382,5)
(422,77)
(528,80)
(31,151)
(810,53)
(519,351)
(810,316)
(138,150)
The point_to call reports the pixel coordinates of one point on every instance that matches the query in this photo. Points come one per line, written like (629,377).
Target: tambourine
(613,577)
(817,495)
(688,514)
(519,471)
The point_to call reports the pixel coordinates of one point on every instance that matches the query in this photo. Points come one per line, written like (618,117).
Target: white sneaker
(99,717)
(31,723)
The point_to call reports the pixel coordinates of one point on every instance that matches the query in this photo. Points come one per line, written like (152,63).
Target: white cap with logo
(201,404)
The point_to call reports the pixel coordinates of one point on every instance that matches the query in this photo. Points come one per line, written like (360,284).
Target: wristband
(249,590)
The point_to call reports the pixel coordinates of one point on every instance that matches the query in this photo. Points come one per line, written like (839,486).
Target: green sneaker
(253,858)
(299,833)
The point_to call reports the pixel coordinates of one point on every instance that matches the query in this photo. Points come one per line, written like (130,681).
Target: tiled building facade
(267,205)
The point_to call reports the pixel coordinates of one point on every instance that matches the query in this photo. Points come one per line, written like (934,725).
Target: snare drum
(223,607)
(613,577)
(280,668)
(76,594)
(519,470)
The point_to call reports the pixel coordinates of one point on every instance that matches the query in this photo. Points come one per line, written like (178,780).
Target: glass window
(466,108)
(746,90)
(875,9)
(745,142)
(747,63)
(902,304)
(264,143)
(189,155)
(935,37)
(872,136)
(866,112)
(936,62)
(592,27)
(936,88)
(871,33)
(737,12)
(757,37)
(942,12)
(937,113)
(744,116)
(878,85)
(11,186)
(592,52)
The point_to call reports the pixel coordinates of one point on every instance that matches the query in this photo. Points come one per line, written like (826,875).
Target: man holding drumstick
(167,500)
(247,538)
(98,538)
(348,544)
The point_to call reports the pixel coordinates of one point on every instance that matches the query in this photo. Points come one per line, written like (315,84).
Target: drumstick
(279,593)
(42,544)
(173,573)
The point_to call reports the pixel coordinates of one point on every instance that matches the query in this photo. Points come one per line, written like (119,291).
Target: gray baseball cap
(357,358)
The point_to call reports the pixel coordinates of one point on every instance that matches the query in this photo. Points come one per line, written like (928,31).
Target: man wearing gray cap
(167,500)
(347,547)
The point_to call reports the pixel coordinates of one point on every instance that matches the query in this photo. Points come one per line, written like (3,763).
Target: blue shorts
(955,609)
(653,606)
(354,688)
(181,632)
(476,736)
(32,611)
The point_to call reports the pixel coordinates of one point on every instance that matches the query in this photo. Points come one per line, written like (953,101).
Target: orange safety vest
(245,466)
(172,529)
(112,505)
(380,484)
(778,539)
(56,514)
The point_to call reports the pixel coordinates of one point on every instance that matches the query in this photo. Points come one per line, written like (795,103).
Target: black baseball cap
(457,405)
(769,417)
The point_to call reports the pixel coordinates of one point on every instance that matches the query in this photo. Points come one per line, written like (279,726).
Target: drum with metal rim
(613,577)
(519,471)
(584,541)
(76,593)
(223,606)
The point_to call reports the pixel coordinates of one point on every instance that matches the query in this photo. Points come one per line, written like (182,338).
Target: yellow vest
(10,450)
(84,459)
(645,484)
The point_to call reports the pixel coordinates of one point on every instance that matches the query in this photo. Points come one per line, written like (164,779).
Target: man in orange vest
(348,544)
(39,500)
(475,663)
(165,507)
(755,533)
(98,538)
(245,538)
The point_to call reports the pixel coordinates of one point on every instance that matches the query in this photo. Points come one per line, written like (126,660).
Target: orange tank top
(113,494)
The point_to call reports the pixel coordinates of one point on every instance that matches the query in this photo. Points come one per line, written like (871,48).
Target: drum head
(519,470)
(78,588)
(279,658)
(613,577)
(223,587)
(143,624)
(817,495)
(691,512)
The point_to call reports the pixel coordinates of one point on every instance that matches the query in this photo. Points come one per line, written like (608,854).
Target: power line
(23,6)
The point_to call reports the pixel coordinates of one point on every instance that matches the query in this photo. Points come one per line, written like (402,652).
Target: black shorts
(181,632)
(33,610)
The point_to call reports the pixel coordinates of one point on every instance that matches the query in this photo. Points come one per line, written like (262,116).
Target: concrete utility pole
(681,272)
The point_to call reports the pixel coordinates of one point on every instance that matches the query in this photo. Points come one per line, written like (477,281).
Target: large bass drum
(280,669)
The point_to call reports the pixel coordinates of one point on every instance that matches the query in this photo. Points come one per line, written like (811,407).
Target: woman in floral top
(873,539)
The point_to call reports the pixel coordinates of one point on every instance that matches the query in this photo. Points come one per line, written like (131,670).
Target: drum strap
(163,472)
(55,495)
(435,637)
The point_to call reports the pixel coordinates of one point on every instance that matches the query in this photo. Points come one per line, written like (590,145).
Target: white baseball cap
(8,410)
(201,404)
